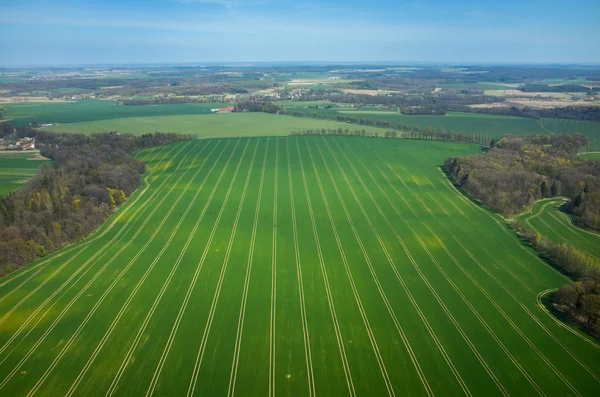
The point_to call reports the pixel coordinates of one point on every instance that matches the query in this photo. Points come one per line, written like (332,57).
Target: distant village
(19,144)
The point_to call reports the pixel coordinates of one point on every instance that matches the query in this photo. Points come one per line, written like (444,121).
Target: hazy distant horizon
(241,64)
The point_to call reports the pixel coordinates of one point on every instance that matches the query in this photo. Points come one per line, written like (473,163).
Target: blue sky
(63,32)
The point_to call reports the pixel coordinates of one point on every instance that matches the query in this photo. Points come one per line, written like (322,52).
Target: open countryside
(16,168)
(299,198)
(311,266)
(547,219)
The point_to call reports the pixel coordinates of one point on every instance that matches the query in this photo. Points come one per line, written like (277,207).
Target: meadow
(591,155)
(281,266)
(210,125)
(547,219)
(93,110)
(496,126)
(16,169)
(89,116)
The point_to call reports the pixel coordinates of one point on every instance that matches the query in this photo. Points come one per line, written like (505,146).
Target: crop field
(590,129)
(93,110)
(591,155)
(496,126)
(16,169)
(279,266)
(210,125)
(546,218)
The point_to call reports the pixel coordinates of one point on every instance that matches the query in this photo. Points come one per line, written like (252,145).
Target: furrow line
(83,247)
(99,302)
(81,292)
(217,293)
(157,300)
(307,352)
(241,317)
(272,324)
(385,374)
(27,269)
(88,364)
(58,290)
(539,323)
(403,283)
(332,312)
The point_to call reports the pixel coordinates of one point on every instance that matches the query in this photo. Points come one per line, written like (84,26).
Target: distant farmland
(210,125)
(309,266)
(16,169)
(91,110)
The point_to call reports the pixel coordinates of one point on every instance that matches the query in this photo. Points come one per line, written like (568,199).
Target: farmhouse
(228,109)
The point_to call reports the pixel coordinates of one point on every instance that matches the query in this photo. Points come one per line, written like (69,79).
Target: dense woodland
(582,113)
(518,170)
(90,176)
(580,301)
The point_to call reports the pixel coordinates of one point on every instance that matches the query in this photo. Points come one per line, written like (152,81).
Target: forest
(88,179)
(518,170)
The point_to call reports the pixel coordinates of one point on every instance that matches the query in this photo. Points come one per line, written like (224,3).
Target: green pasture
(482,85)
(591,155)
(547,219)
(93,110)
(590,129)
(496,126)
(16,169)
(210,125)
(280,266)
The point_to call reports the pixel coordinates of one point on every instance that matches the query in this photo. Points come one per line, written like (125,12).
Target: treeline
(582,113)
(555,88)
(259,106)
(518,170)
(567,257)
(89,177)
(409,131)
(424,110)
(420,135)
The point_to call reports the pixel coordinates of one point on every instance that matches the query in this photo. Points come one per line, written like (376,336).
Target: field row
(292,266)
(546,218)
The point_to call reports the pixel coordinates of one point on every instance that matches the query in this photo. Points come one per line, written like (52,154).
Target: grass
(292,266)
(94,110)
(16,169)
(208,126)
(494,125)
(482,85)
(590,129)
(497,126)
(546,218)
(592,156)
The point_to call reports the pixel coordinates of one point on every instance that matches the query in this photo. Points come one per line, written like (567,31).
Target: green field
(15,170)
(96,116)
(93,110)
(591,155)
(287,266)
(590,129)
(496,126)
(546,218)
(210,125)
(482,85)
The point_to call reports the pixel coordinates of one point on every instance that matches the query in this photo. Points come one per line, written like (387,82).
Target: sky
(87,32)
